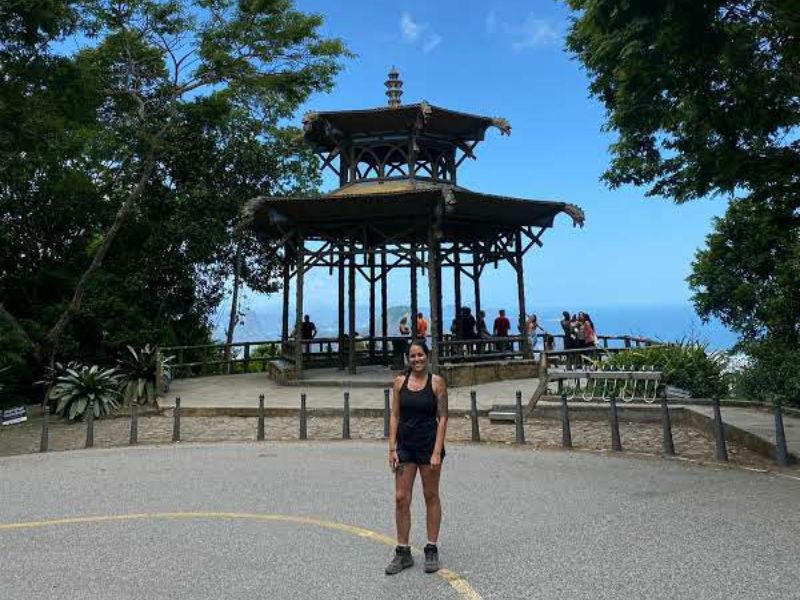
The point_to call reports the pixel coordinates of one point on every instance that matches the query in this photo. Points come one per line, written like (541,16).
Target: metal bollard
(781,452)
(90,425)
(134,438)
(473,415)
(346,417)
(176,421)
(303,418)
(260,427)
(566,432)
(616,442)
(719,431)
(519,437)
(386,411)
(666,425)
(45,441)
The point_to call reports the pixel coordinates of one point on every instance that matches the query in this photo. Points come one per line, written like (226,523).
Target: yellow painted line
(453,579)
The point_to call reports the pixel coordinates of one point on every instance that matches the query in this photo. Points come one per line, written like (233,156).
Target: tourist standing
(531,326)
(501,328)
(420,326)
(308,331)
(417,430)
(589,333)
(566,327)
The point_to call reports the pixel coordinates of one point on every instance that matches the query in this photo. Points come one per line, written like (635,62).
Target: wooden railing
(243,357)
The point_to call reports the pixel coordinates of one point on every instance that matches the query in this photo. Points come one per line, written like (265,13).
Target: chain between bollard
(566,431)
(303,418)
(473,415)
(134,433)
(176,420)
(519,434)
(260,425)
(90,425)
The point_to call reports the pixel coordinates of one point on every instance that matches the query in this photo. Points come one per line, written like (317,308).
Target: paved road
(518,524)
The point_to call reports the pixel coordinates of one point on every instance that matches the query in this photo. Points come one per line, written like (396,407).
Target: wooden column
(351,307)
(521,290)
(286,283)
(476,281)
(457,290)
(438,312)
(414,308)
(342,359)
(298,309)
(434,293)
(371,260)
(384,308)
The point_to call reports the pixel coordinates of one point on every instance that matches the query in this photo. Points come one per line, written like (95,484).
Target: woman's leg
(433,504)
(403,485)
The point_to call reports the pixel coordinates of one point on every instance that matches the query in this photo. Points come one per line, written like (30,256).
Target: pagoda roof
(467,215)
(325,130)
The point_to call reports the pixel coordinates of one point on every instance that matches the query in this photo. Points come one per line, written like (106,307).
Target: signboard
(14,415)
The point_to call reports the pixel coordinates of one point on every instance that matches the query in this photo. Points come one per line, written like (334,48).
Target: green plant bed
(687,365)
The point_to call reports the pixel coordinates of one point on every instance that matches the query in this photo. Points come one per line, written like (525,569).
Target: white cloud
(433,40)
(531,33)
(535,32)
(409,29)
(413,32)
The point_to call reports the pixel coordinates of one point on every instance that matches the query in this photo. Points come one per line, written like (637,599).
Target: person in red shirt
(422,326)
(501,328)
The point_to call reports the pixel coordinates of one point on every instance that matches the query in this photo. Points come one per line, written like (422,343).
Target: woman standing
(417,428)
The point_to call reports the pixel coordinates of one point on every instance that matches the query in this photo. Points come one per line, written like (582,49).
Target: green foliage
(771,375)
(705,99)
(687,365)
(95,96)
(80,386)
(140,371)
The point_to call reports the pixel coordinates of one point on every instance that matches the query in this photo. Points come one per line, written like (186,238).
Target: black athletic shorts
(418,456)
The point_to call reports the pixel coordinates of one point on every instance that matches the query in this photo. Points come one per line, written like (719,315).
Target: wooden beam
(384,308)
(457,290)
(414,308)
(342,347)
(371,261)
(526,349)
(286,284)
(433,293)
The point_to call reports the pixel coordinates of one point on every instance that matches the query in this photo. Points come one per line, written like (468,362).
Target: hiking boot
(402,560)
(431,558)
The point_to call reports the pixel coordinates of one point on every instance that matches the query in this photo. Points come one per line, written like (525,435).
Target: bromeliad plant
(80,386)
(139,372)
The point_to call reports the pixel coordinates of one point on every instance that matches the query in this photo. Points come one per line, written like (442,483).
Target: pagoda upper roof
(326,130)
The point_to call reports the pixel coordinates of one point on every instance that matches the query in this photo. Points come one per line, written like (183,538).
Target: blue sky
(508,59)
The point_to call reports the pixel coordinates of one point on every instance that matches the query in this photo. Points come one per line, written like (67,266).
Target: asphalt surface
(517,524)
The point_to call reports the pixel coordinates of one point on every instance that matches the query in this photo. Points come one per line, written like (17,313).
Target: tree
(704,97)
(146,59)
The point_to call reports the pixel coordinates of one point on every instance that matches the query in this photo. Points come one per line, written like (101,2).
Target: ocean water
(664,323)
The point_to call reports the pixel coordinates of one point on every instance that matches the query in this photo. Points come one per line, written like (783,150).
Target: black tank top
(418,421)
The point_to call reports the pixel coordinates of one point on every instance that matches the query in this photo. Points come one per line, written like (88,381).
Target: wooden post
(457,290)
(434,294)
(414,307)
(476,281)
(247,357)
(298,309)
(384,308)
(351,308)
(342,360)
(371,261)
(527,351)
(286,286)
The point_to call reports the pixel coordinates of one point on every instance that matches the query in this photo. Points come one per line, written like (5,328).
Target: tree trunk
(234,314)
(48,344)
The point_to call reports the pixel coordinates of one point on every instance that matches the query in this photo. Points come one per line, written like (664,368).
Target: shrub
(139,371)
(686,364)
(771,373)
(76,386)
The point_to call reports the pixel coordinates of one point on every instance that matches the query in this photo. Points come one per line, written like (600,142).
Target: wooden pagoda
(398,206)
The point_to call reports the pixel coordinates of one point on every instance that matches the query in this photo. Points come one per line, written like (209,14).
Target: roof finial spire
(394,87)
